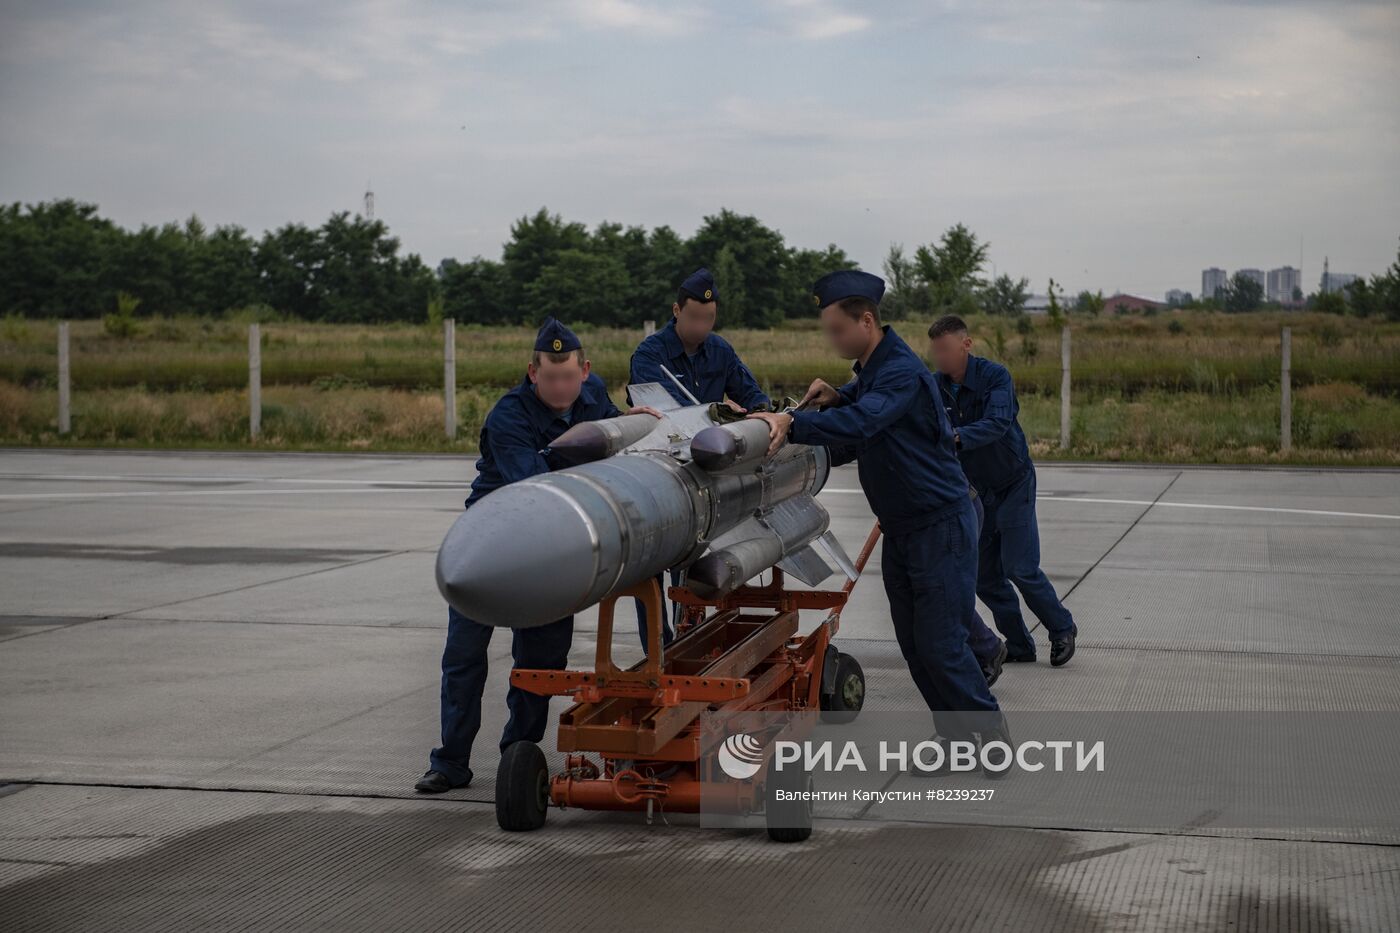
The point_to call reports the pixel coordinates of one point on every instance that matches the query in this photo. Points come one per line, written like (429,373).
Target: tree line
(62,258)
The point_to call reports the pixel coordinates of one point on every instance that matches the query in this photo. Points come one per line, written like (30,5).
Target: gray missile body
(554,544)
(733,446)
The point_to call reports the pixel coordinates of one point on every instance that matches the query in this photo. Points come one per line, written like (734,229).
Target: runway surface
(219,680)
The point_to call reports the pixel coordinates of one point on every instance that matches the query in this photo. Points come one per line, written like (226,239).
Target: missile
(597,440)
(730,446)
(791,526)
(554,544)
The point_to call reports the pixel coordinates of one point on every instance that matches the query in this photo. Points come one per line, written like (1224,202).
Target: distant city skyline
(1113,146)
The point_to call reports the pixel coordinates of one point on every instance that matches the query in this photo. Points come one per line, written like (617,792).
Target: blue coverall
(513,442)
(997,462)
(712,373)
(890,419)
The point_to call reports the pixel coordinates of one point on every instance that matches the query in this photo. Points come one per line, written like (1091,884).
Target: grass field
(1183,387)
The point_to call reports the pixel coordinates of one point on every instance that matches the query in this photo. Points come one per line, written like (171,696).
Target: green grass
(1189,387)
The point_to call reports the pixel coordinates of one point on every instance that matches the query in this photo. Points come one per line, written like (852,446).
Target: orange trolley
(740,652)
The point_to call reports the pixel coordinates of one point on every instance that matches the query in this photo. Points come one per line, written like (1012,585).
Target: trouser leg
(940,567)
(1020,557)
(464,666)
(542,648)
(994,588)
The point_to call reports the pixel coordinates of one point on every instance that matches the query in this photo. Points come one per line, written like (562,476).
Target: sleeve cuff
(796,432)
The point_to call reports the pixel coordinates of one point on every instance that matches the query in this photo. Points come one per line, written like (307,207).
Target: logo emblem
(708,293)
(558,344)
(740,756)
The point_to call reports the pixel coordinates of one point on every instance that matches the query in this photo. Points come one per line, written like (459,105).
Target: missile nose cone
(714,449)
(582,443)
(519,558)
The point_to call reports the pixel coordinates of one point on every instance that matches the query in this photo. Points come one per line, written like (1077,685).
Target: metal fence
(449,382)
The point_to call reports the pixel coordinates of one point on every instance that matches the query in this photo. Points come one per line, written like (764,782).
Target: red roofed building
(1120,303)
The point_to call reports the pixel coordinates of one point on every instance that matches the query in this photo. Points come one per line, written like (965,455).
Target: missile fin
(831,548)
(807,565)
(654,395)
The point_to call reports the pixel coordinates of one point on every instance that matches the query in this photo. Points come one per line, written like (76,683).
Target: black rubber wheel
(522,788)
(788,820)
(848,692)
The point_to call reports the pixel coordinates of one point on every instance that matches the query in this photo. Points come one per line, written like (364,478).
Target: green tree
(1005,295)
(1090,303)
(950,270)
(579,286)
(761,257)
(535,242)
(472,292)
(1242,293)
(729,282)
(801,270)
(903,294)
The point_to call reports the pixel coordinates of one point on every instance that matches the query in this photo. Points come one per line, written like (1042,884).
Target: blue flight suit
(889,418)
(513,442)
(712,373)
(982,640)
(997,462)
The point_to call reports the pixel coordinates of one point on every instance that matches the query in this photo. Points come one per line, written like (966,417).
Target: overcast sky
(1114,145)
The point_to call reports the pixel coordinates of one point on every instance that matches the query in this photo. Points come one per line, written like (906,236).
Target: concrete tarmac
(219,681)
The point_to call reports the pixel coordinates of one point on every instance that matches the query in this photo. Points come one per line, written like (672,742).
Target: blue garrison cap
(847,283)
(555,338)
(701,286)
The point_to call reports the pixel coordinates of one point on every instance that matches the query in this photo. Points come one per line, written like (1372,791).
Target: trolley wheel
(788,820)
(522,788)
(848,692)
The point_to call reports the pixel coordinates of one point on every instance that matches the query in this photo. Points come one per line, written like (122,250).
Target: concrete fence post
(648,328)
(254,381)
(1064,388)
(65,414)
(449,377)
(1285,441)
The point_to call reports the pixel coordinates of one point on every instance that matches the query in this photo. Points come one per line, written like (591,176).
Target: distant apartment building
(1284,285)
(1213,282)
(1176,297)
(1336,281)
(1255,274)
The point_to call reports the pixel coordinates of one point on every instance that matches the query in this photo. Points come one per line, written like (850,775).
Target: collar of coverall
(882,352)
(972,377)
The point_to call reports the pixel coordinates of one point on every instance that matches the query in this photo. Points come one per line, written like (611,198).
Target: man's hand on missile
(778,425)
(644,410)
(736,406)
(820,393)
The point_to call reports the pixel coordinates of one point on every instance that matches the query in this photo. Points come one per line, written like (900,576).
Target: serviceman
(701,359)
(890,419)
(981,401)
(559,390)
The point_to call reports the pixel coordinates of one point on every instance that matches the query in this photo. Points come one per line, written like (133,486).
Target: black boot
(435,782)
(992,669)
(1062,649)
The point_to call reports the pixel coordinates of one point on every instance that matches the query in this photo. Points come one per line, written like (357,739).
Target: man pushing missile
(890,420)
(705,366)
(559,390)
